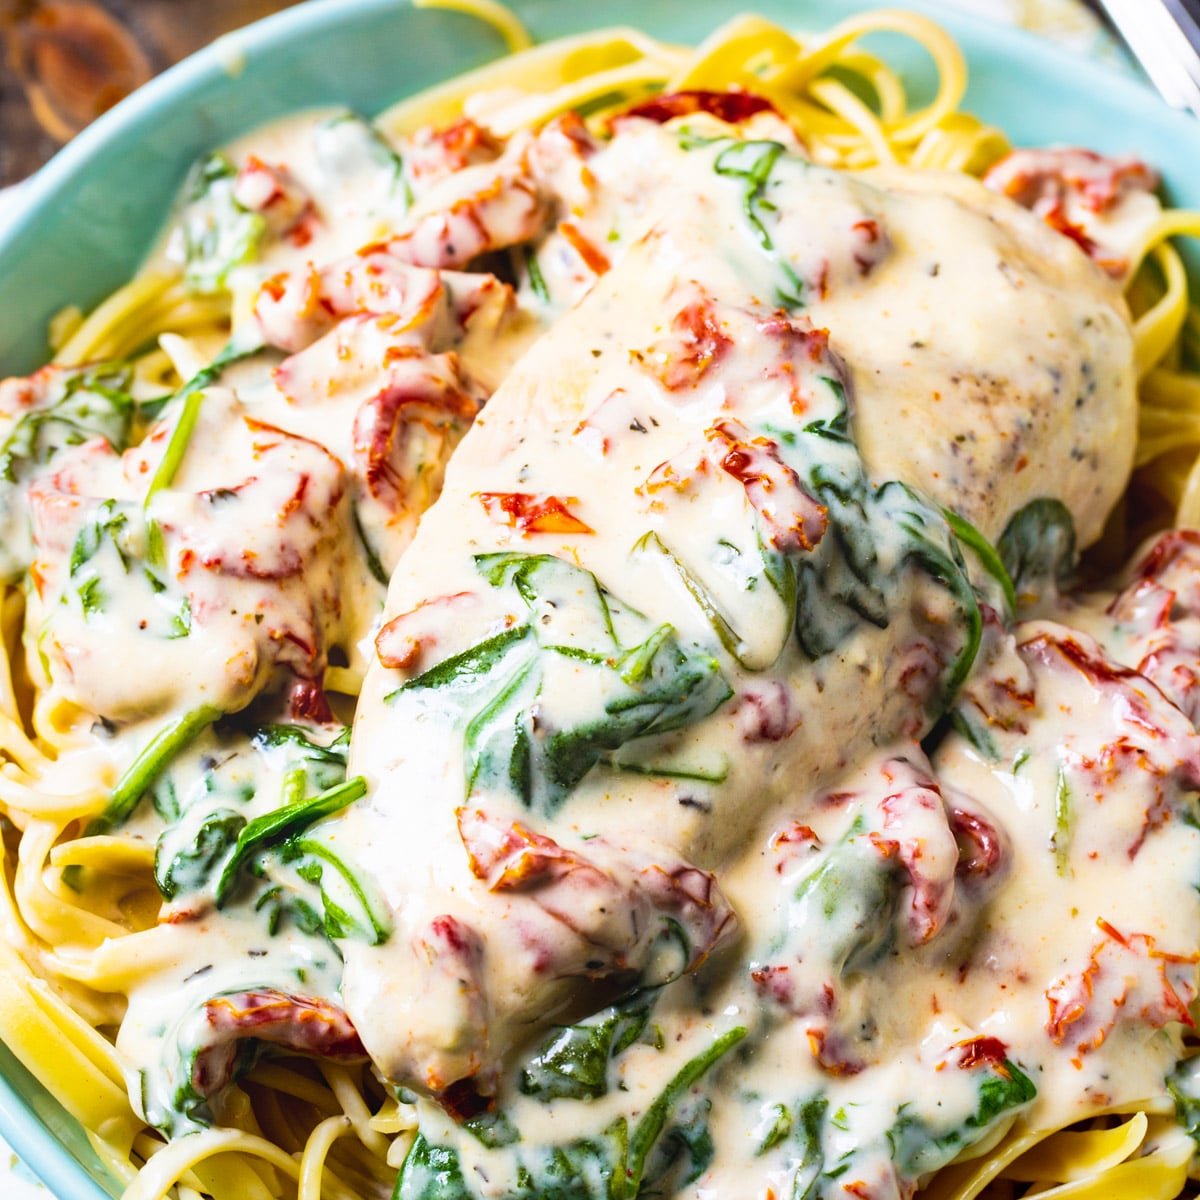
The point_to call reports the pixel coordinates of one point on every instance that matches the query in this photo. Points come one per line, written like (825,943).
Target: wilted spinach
(274,828)
(189,868)
(618,1164)
(350,907)
(216,232)
(347,141)
(1038,546)
(93,402)
(1184,1085)
(323,766)
(157,755)
(852,897)
(211,848)
(875,534)
(579,641)
(752,162)
(876,537)
(574,1061)
(917,1146)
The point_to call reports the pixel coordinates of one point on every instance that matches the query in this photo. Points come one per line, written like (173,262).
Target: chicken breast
(692,562)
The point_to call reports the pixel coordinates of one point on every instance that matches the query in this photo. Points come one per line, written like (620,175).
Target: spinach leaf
(92,597)
(579,641)
(154,759)
(374,564)
(966,726)
(877,536)
(851,897)
(216,232)
(1184,1085)
(585,1169)
(537,281)
(91,572)
(95,402)
(181,620)
(809,1135)
(610,1166)
(280,905)
(228,771)
(753,163)
(779,1129)
(492,1129)
(165,797)
(170,1100)
(987,554)
(1005,1088)
(918,1147)
(296,737)
(700,773)
(1038,546)
(686,1149)
(733,643)
(275,827)
(189,869)
(367,916)
(185,1111)
(835,428)
(932,547)
(318,767)
(431,1172)
(849,577)
(168,468)
(190,396)
(207,842)
(574,1062)
(652,1122)
(800,1133)
(1064,822)
(689,139)
(347,141)
(107,524)
(468,670)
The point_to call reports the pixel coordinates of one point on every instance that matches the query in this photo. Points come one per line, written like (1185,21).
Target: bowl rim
(37,1148)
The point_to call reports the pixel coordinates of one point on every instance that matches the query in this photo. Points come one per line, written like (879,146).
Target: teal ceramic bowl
(89,217)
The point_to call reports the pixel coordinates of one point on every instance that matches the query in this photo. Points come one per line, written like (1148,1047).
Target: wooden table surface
(64,62)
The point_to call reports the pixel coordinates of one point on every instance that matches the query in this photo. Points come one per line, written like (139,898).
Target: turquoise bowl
(89,217)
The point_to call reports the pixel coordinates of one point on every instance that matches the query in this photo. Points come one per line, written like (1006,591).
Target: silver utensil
(1164,36)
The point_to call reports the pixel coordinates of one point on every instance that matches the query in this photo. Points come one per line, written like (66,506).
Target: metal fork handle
(1164,36)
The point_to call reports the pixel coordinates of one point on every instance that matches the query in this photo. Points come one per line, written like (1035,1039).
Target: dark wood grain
(64,62)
